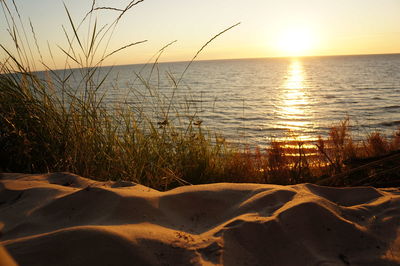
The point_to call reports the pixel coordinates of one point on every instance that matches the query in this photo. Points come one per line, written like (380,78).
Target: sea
(256,101)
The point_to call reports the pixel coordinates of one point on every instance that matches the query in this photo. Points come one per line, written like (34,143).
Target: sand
(64,219)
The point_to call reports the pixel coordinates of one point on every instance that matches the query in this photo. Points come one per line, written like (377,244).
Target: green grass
(46,125)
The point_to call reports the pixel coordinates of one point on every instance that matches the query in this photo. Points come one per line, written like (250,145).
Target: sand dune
(64,219)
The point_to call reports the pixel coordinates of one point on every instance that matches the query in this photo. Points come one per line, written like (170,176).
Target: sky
(269,28)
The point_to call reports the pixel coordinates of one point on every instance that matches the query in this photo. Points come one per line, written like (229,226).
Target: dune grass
(48,125)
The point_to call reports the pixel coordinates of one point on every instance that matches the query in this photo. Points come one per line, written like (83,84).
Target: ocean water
(256,100)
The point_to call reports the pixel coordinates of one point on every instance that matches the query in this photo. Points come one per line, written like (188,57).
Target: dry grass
(49,125)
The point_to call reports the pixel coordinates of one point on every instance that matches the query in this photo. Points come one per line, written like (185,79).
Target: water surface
(256,100)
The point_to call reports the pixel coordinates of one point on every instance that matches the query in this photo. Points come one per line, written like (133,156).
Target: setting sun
(295,42)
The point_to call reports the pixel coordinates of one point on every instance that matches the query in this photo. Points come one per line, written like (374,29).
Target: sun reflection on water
(295,102)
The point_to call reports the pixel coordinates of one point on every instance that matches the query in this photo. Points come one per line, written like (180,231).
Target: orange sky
(268,28)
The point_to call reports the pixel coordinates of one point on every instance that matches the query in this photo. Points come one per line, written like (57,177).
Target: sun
(295,42)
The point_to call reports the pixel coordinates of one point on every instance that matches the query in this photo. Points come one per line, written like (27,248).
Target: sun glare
(295,42)
(294,105)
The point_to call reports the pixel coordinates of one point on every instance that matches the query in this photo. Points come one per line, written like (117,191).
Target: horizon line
(252,58)
(225,59)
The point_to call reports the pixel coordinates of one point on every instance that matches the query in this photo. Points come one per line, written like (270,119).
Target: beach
(65,219)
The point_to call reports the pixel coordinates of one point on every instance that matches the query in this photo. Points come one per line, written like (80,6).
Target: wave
(390,124)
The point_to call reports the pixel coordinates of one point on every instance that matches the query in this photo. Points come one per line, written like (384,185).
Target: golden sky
(269,28)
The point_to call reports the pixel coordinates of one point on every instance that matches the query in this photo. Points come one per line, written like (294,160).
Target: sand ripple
(64,219)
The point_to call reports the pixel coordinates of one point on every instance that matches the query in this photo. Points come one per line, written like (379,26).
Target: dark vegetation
(47,126)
